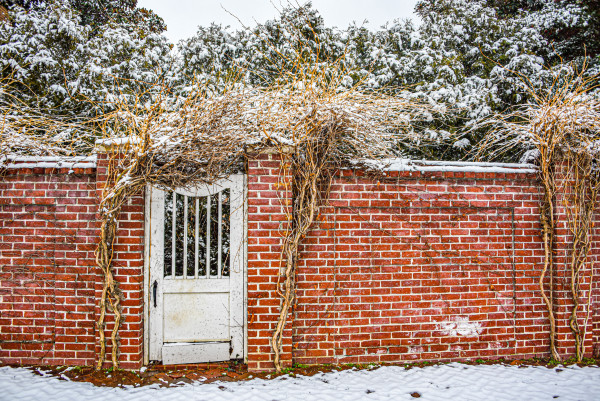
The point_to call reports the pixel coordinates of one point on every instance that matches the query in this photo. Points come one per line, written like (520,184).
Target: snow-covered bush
(293,43)
(61,66)
(465,58)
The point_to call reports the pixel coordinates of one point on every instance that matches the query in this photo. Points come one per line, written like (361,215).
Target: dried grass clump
(206,137)
(566,117)
(559,130)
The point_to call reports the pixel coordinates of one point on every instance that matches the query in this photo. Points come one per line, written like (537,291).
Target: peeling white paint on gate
(460,326)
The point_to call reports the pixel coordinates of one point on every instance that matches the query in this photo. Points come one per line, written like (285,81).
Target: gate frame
(147,289)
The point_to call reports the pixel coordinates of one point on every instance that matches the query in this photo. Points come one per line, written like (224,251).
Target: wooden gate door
(196,294)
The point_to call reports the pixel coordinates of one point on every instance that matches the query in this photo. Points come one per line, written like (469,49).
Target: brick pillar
(128,267)
(596,289)
(268,202)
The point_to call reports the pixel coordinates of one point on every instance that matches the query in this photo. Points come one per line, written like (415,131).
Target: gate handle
(154,287)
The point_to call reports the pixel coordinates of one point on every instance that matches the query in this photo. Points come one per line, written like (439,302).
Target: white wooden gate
(196,273)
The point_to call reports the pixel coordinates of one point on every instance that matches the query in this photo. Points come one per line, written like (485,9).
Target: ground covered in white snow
(452,382)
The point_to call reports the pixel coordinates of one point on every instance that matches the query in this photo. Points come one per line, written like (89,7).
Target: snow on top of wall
(16,162)
(117,141)
(430,165)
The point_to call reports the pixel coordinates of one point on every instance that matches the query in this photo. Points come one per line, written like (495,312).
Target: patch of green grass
(589,361)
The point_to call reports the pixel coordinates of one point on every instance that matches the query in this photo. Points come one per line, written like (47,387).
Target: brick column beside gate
(268,203)
(128,266)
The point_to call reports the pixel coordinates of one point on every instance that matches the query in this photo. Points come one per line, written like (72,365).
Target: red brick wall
(416,266)
(48,235)
(49,281)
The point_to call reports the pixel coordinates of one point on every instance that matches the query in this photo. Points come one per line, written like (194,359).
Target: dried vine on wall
(119,188)
(110,291)
(559,131)
(547,221)
(582,184)
(310,170)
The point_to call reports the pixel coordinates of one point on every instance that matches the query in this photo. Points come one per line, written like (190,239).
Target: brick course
(268,207)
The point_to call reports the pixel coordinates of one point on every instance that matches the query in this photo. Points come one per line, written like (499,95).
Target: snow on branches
(58,65)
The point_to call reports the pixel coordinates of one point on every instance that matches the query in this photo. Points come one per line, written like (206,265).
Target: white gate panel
(196,273)
(209,322)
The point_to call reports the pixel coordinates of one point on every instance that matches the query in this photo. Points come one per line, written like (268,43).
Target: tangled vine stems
(113,198)
(583,179)
(110,292)
(310,168)
(547,219)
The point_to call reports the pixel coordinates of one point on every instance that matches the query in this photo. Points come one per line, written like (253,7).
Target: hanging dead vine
(118,190)
(309,175)
(110,292)
(560,130)
(582,177)
(548,227)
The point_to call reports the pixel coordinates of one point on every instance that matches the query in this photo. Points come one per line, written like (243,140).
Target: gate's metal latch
(154,288)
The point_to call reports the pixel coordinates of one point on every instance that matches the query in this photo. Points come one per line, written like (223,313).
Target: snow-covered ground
(444,382)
